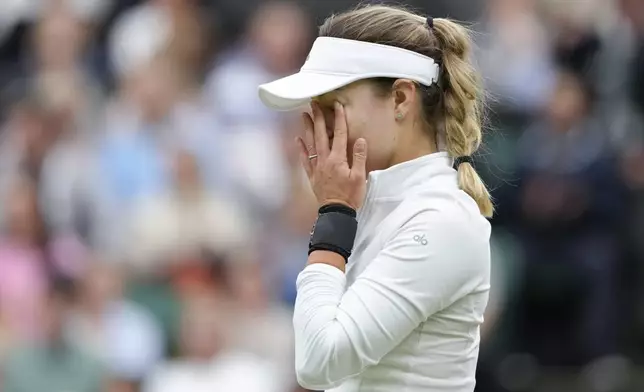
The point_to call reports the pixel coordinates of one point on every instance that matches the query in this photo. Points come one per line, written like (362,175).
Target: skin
(339,128)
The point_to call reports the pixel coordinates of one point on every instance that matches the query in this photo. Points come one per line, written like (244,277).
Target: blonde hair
(455,102)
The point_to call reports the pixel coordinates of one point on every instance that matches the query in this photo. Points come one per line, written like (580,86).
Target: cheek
(363,124)
(356,126)
(372,125)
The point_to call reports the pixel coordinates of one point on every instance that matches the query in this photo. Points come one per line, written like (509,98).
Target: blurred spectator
(39,141)
(24,273)
(73,100)
(513,56)
(26,138)
(29,259)
(60,39)
(138,36)
(51,363)
(262,326)
(207,360)
(120,334)
(131,153)
(185,220)
(575,32)
(187,44)
(275,43)
(18,17)
(70,187)
(569,209)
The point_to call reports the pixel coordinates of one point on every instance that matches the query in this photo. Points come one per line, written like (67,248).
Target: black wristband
(334,231)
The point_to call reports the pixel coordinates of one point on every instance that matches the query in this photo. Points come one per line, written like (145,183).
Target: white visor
(336,62)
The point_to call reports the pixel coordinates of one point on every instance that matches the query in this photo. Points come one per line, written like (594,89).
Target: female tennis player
(398,272)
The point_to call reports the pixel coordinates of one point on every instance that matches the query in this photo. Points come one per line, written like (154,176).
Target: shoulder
(448,212)
(438,246)
(447,226)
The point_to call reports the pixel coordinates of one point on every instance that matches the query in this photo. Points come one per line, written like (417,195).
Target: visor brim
(295,91)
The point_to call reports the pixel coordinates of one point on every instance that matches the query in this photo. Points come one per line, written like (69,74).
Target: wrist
(329,202)
(337,207)
(334,230)
(327,257)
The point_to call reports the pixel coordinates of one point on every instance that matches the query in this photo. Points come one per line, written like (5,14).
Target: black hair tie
(430,22)
(464,159)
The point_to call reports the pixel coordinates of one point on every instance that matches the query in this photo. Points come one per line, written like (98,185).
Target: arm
(338,333)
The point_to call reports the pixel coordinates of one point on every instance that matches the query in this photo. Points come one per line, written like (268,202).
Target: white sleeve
(338,333)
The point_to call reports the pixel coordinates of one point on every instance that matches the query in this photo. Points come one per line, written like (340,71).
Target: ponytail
(461,101)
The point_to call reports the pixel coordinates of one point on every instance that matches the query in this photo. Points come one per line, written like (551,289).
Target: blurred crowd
(154,217)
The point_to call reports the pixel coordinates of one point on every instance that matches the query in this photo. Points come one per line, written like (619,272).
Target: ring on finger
(313,156)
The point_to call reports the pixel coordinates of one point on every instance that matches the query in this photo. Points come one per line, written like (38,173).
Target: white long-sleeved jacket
(406,315)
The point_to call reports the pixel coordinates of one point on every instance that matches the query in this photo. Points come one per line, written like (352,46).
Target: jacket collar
(432,170)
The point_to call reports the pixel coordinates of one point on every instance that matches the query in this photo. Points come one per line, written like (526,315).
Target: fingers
(319,129)
(359,165)
(340,133)
(309,137)
(304,156)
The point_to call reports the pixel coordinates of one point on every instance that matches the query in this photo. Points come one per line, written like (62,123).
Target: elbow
(314,365)
(317,378)
(325,361)
(311,370)
(310,378)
